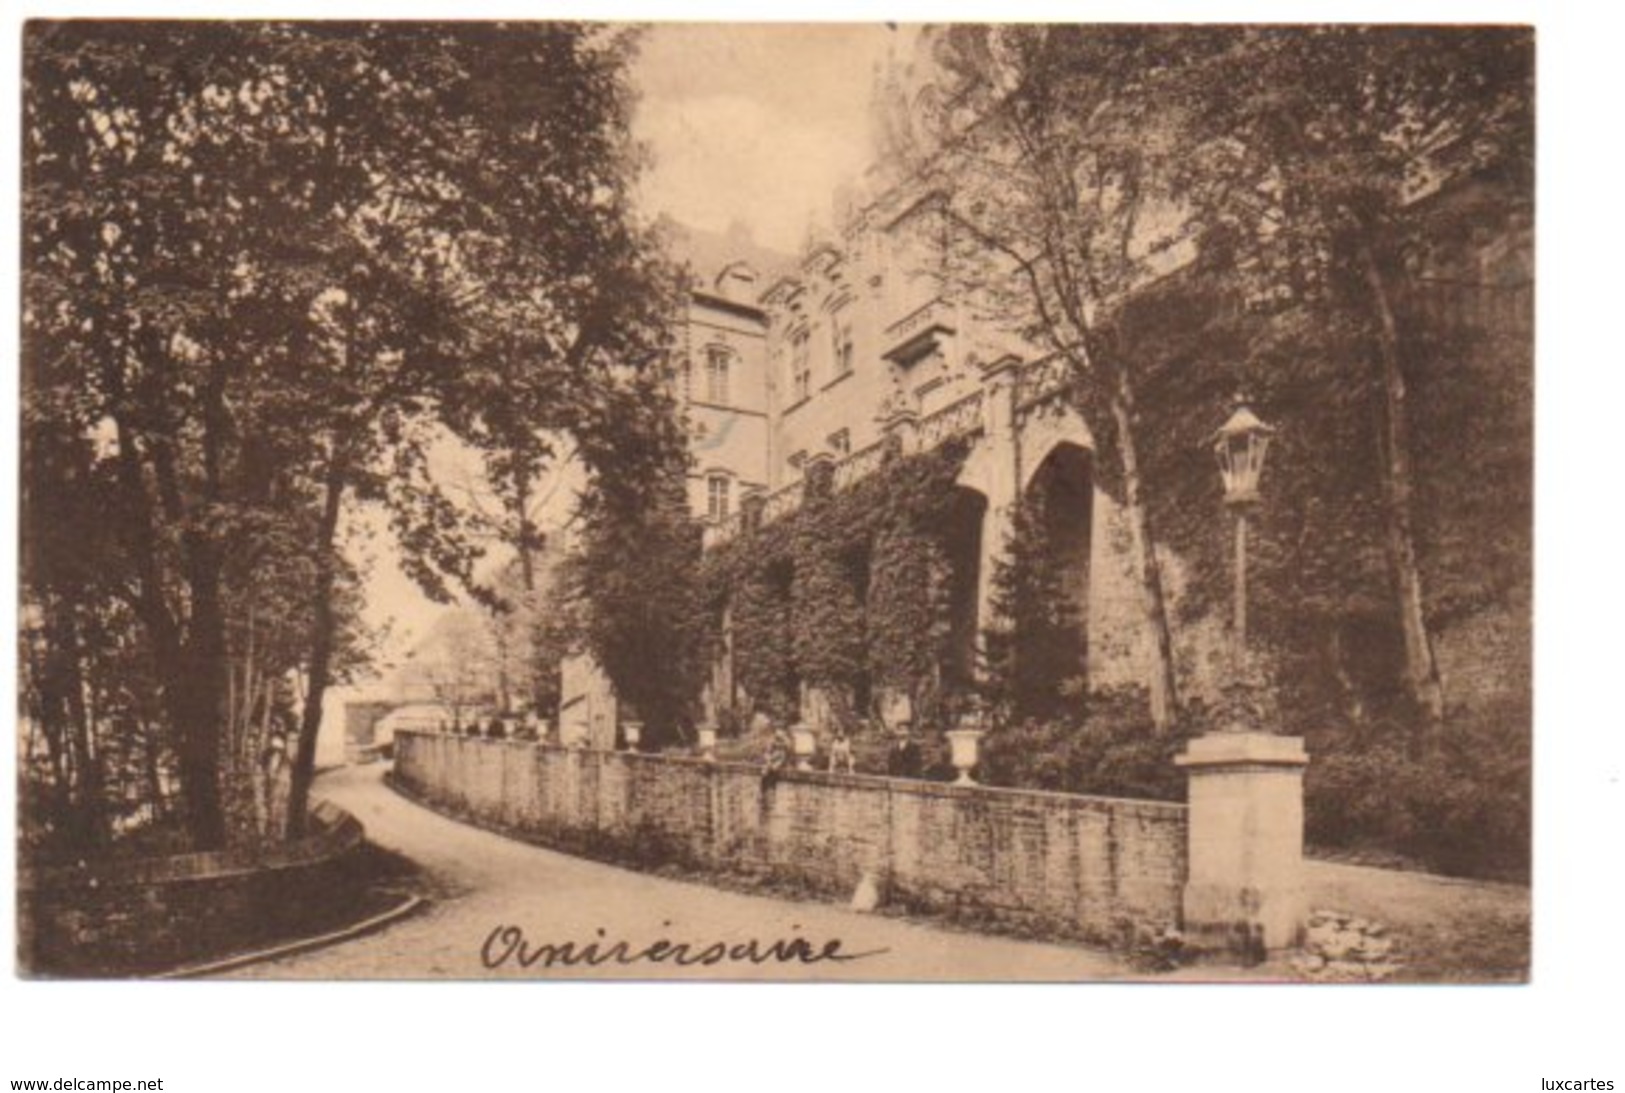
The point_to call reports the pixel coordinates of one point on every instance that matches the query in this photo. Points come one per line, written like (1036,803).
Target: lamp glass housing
(1240,446)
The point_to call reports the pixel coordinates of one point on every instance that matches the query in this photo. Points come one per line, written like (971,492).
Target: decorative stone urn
(964,745)
(805,744)
(633,731)
(708,742)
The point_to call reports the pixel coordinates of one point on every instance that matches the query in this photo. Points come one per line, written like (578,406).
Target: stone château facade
(857,349)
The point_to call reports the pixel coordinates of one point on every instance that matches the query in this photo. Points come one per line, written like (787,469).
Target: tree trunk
(152,758)
(1163,686)
(535,636)
(1399,543)
(91,798)
(191,716)
(323,627)
(50,718)
(198,700)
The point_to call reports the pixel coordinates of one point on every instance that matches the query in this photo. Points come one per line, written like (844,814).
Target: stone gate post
(1244,888)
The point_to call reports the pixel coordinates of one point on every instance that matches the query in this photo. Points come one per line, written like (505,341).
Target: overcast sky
(758,123)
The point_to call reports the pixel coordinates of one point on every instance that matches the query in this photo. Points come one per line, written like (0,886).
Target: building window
(841,442)
(841,333)
(716,375)
(716,497)
(800,368)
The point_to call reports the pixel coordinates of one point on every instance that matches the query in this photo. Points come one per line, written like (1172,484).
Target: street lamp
(1240,445)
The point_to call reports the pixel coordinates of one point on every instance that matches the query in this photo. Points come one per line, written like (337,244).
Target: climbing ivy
(852,587)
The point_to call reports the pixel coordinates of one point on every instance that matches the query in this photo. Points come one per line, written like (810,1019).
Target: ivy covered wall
(849,599)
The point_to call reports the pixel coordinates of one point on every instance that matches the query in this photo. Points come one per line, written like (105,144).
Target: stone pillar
(1003,480)
(1244,886)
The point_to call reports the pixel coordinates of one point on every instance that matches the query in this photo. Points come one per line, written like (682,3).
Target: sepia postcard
(1026,502)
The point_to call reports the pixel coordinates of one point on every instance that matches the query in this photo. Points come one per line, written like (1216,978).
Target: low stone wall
(1087,867)
(138,916)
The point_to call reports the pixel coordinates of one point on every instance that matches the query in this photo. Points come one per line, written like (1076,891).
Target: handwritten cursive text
(508,945)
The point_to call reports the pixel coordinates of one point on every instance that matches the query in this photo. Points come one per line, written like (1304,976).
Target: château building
(855,352)
(810,372)
(801,376)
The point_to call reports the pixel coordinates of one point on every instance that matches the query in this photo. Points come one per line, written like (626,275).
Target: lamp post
(1244,890)
(1240,445)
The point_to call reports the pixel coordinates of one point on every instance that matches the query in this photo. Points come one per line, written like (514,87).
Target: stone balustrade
(1042,380)
(933,312)
(961,418)
(860,464)
(783,501)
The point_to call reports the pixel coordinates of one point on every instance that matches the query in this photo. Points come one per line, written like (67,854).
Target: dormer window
(717,361)
(737,282)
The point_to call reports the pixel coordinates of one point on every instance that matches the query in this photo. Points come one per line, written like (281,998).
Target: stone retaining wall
(1088,867)
(143,915)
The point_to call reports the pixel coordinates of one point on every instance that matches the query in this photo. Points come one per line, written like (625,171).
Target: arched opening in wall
(962,540)
(1060,498)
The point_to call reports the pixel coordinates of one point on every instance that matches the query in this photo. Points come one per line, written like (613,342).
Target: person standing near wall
(840,753)
(777,759)
(903,761)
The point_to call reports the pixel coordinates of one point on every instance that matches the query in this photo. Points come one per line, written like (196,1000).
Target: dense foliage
(1105,749)
(1032,667)
(1335,221)
(267,267)
(632,585)
(848,595)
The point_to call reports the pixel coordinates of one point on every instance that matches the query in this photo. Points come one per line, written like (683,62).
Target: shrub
(1111,751)
(1459,804)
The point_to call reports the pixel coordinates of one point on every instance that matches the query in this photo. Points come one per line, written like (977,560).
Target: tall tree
(635,595)
(272,265)
(1052,159)
(1315,146)
(1031,650)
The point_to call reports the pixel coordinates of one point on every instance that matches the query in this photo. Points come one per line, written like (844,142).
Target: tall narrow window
(717,496)
(716,376)
(841,332)
(801,368)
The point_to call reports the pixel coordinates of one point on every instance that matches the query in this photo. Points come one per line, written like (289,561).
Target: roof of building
(708,253)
